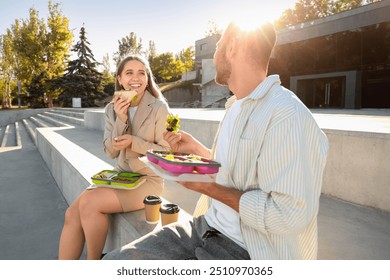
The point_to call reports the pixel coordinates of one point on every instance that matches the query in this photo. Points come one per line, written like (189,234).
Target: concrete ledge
(72,167)
(11,116)
(358,167)
(66,118)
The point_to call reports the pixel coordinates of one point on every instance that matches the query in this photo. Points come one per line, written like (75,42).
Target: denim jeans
(192,240)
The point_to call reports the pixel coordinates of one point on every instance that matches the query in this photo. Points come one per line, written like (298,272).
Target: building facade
(341,61)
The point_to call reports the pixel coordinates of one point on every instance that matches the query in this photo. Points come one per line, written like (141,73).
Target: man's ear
(232,46)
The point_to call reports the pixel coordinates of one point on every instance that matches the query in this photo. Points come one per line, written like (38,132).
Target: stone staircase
(10,134)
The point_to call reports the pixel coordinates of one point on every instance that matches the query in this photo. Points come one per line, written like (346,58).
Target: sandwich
(128,95)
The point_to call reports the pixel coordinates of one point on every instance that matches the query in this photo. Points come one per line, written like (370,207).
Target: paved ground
(32,208)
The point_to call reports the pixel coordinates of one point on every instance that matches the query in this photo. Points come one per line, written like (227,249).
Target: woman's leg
(93,207)
(72,236)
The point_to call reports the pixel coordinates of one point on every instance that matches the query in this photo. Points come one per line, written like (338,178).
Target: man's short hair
(258,41)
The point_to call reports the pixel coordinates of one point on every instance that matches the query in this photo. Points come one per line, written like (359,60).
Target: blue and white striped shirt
(276,156)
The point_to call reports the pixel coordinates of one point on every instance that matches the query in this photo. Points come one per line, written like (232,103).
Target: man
(264,202)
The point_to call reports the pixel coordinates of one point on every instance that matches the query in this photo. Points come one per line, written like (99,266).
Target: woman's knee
(87,205)
(72,214)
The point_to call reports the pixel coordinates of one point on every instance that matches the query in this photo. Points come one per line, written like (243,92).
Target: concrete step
(9,136)
(23,136)
(2,132)
(10,133)
(64,118)
(72,113)
(75,110)
(15,135)
(53,120)
(2,129)
(30,128)
(39,122)
(18,134)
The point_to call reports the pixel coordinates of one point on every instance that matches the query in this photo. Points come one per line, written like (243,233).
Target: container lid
(152,200)
(169,208)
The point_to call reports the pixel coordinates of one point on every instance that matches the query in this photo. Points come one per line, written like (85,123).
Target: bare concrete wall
(358,168)
(11,116)
(181,96)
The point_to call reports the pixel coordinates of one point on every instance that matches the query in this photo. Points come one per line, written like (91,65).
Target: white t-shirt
(219,215)
(132,113)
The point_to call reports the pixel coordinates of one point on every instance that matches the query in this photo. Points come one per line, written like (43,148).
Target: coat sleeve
(113,127)
(140,145)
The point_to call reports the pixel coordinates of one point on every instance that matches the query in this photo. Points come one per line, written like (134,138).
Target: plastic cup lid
(169,208)
(152,200)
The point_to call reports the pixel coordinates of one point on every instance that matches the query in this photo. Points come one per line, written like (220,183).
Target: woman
(131,128)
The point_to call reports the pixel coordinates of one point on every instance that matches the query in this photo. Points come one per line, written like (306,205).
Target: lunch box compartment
(117,178)
(183,162)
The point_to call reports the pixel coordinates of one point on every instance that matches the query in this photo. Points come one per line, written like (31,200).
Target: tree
(128,45)
(37,50)
(166,68)
(151,52)
(57,44)
(81,78)
(37,95)
(213,29)
(28,37)
(305,10)
(6,67)
(187,58)
(108,79)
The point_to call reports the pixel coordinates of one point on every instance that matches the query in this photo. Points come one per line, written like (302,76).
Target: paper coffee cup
(169,213)
(152,206)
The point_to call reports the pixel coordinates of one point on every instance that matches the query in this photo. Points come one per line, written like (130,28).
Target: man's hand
(184,142)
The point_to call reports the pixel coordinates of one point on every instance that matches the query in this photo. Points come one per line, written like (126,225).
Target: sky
(173,25)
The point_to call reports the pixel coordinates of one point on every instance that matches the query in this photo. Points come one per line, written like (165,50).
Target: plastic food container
(125,181)
(182,162)
(152,158)
(112,177)
(103,177)
(129,174)
(175,167)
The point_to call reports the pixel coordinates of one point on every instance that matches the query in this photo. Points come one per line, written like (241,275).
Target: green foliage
(151,52)
(58,42)
(187,56)
(81,78)
(128,45)
(6,66)
(166,68)
(34,49)
(108,79)
(28,45)
(305,10)
(36,89)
